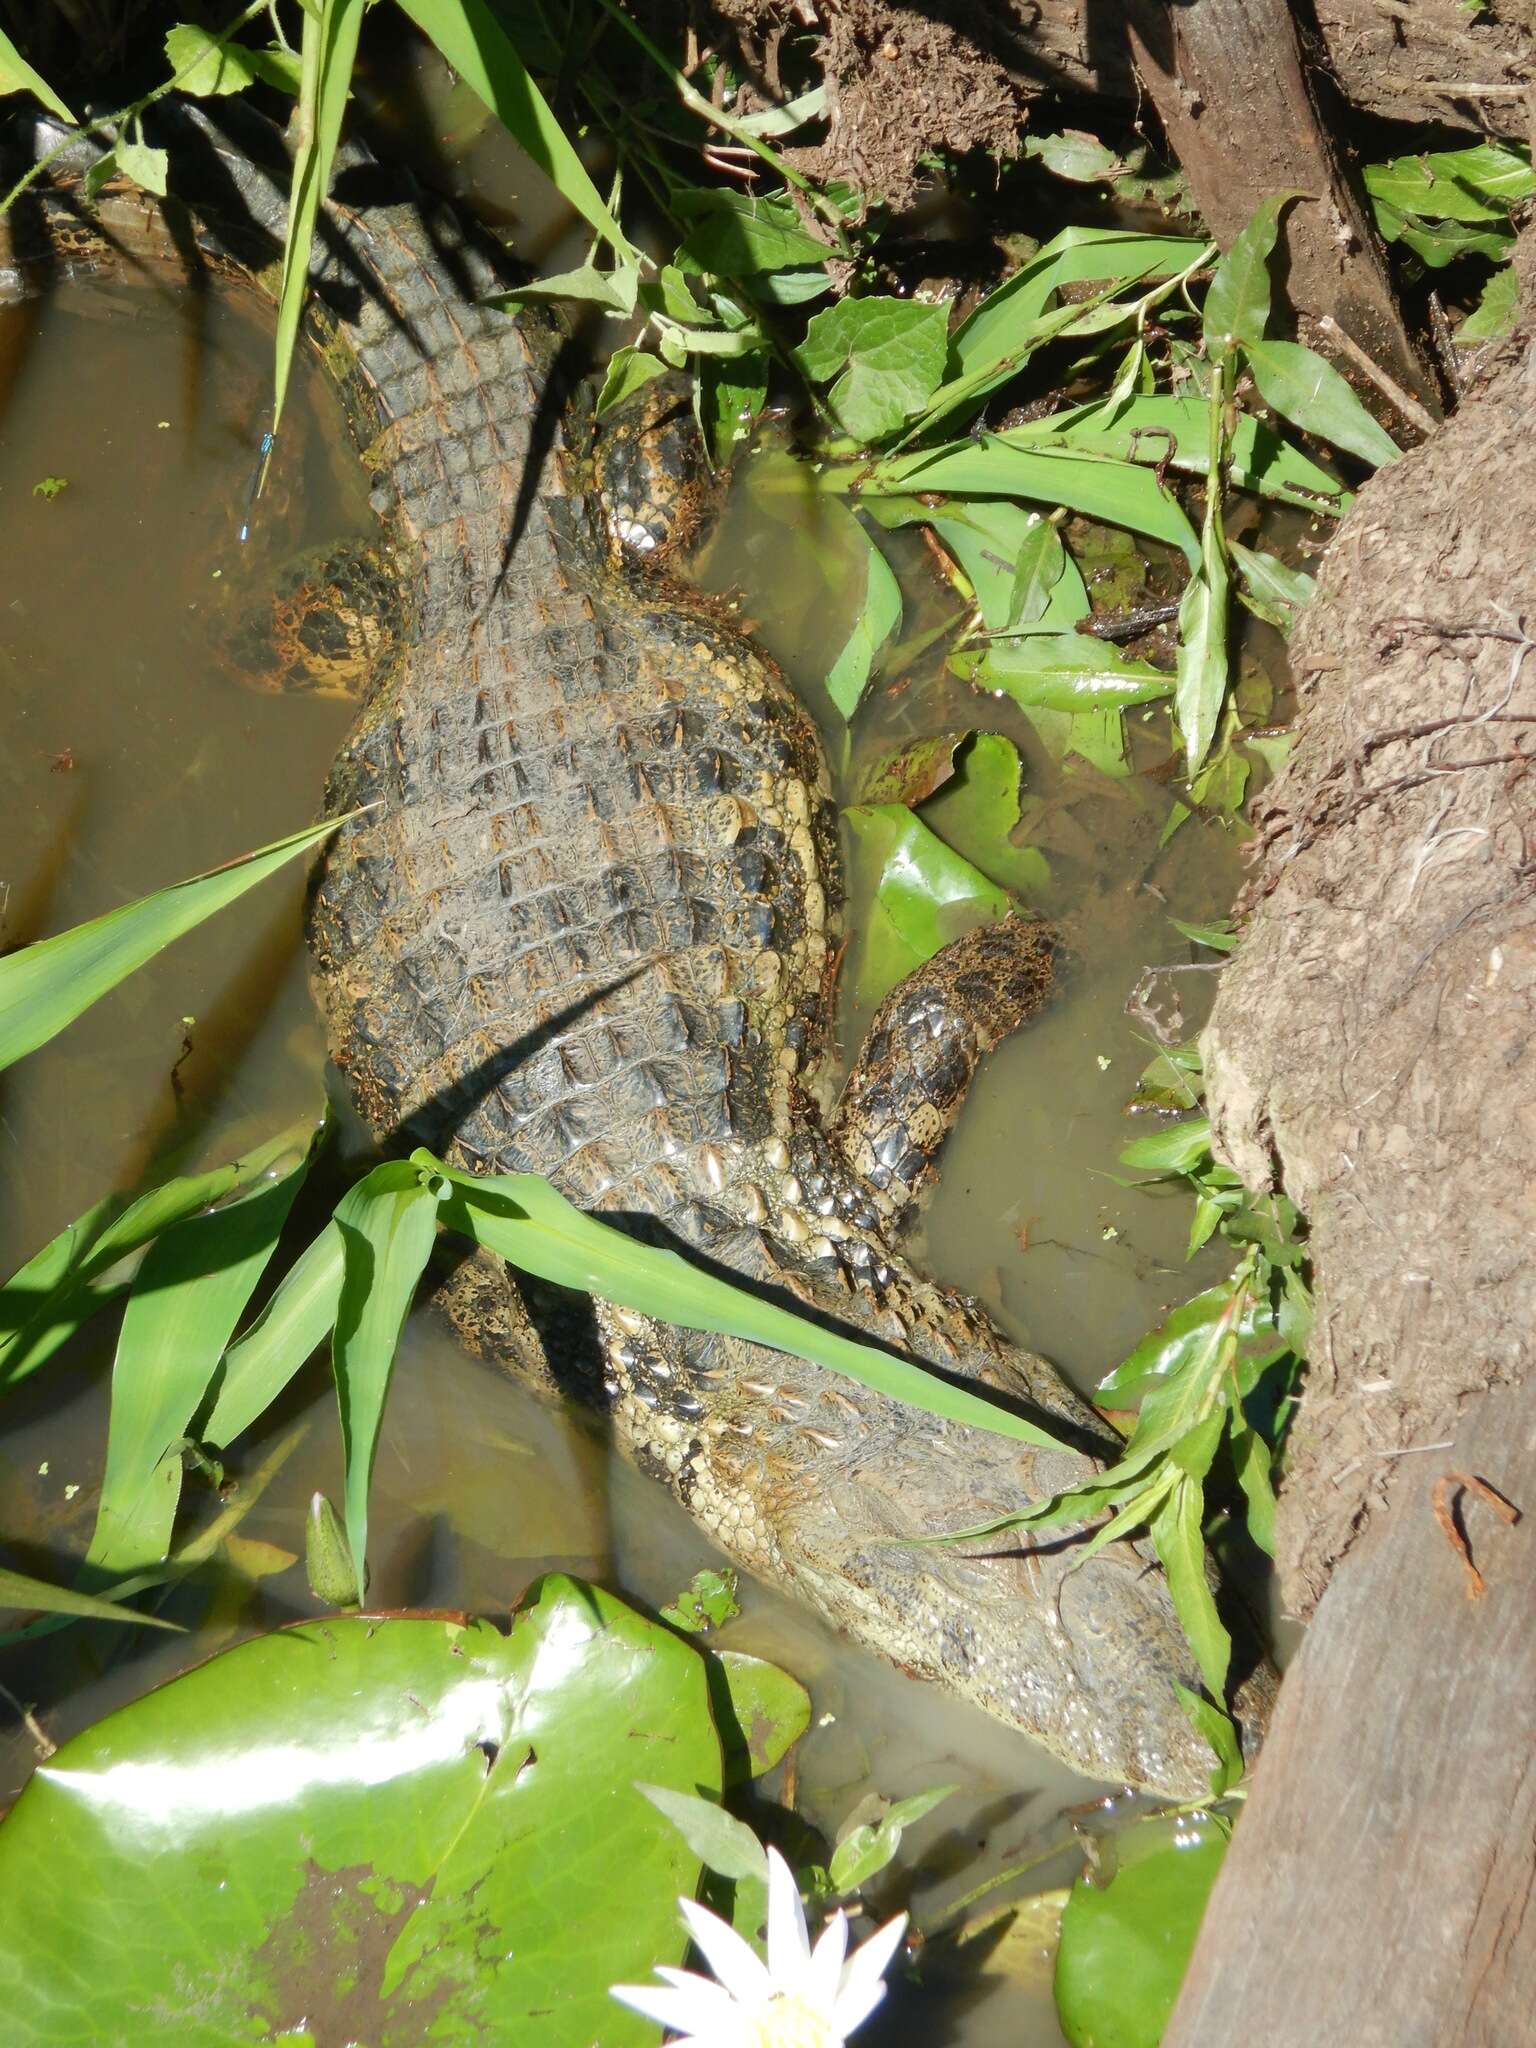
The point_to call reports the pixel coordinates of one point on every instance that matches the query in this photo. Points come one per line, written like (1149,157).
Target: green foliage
(886,357)
(709,1600)
(17,75)
(1447,204)
(49,487)
(1126,1942)
(44,987)
(866,1848)
(38,1596)
(428,1816)
(879,617)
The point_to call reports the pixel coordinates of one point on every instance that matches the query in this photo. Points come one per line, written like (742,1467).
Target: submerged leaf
(763,1712)
(878,617)
(922,894)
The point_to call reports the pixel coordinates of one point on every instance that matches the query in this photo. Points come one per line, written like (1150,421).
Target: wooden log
(1249,116)
(1380,1889)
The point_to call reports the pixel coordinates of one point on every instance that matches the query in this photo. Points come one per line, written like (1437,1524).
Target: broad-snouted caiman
(587,928)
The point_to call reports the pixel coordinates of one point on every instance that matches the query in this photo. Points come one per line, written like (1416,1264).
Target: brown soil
(1373,1045)
(909,76)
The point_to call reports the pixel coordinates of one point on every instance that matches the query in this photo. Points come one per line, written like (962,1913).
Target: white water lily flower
(800,1998)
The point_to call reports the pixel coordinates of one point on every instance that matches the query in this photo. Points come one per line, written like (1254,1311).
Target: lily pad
(382,1830)
(921,892)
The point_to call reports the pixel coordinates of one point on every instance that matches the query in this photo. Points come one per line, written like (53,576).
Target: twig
(1389,387)
(1451,1529)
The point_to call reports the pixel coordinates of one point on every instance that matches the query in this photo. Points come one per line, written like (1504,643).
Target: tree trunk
(1247,118)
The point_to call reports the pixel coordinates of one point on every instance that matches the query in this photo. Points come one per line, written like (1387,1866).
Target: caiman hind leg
(328,626)
(922,1050)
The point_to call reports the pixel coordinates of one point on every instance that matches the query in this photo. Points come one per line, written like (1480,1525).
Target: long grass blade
(327,53)
(37,1596)
(473,41)
(387,1224)
(46,986)
(294,1323)
(525,1221)
(195,1280)
(17,75)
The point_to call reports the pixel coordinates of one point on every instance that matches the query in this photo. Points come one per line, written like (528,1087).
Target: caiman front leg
(922,1050)
(327,625)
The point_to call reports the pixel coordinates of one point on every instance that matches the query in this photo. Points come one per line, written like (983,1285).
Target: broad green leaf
(414,1818)
(1237,298)
(1312,395)
(206,65)
(886,355)
(1480,183)
(189,1293)
(1494,314)
(913,772)
(527,1222)
(734,234)
(1219,1733)
(998,465)
(1178,1149)
(990,539)
(1064,672)
(1441,242)
(387,1224)
(38,1596)
(1074,155)
(720,1841)
(1094,737)
(1172,1348)
(921,894)
(1251,1460)
(17,75)
(472,40)
(977,811)
(1041,563)
(327,52)
(878,618)
(760,1711)
(866,1850)
(1151,430)
(629,371)
(291,1327)
(1126,1945)
(1282,592)
(616,290)
(734,393)
(45,986)
(1219,936)
(1178,1537)
(148,168)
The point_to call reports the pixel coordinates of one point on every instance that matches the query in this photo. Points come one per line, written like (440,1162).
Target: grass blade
(292,1325)
(474,43)
(38,1596)
(46,986)
(386,1224)
(525,1221)
(190,1291)
(327,52)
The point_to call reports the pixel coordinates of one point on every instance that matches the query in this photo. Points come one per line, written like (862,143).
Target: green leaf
(38,1596)
(760,1711)
(1178,1537)
(1066,672)
(1251,1461)
(330,1570)
(531,1225)
(1282,593)
(17,75)
(879,617)
(629,371)
(1178,1149)
(913,772)
(977,811)
(887,356)
(735,392)
(1494,314)
(1219,1733)
(720,1841)
(387,1224)
(866,1850)
(1180,1342)
(45,986)
(1074,155)
(205,65)
(1041,563)
(1445,241)
(414,1818)
(1480,183)
(998,465)
(734,234)
(291,1327)
(469,36)
(1237,299)
(616,290)
(1202,675)
(921,893)
(195,1280)
(1125,1946)
(1312,395)
(709,1600)
(990,539)
(1219,936)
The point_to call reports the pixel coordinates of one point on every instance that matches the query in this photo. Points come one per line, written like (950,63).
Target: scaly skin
(586,930)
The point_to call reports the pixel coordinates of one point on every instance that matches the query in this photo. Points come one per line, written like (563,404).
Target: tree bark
(1248,117)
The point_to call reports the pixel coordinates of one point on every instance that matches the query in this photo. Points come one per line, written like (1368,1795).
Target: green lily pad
(376,1830)
(760,1710)
(921,893)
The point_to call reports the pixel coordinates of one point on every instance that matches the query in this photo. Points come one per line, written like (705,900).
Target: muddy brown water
(130,758)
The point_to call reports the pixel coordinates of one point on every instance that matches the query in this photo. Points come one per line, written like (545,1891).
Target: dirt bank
(908,76)
(1374,1041)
